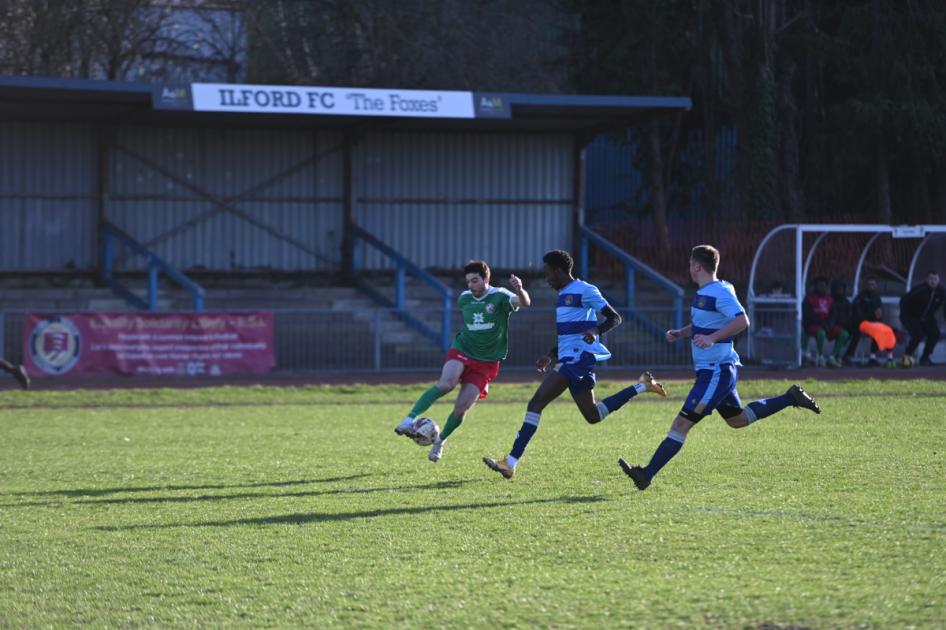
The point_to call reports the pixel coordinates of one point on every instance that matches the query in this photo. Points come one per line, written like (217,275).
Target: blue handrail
(156,264)
(632,266)
(402,267)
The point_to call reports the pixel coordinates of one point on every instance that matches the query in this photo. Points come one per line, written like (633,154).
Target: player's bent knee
(738,421)
(591,417)
(447,386)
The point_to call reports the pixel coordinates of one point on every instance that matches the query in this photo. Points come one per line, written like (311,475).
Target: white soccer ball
(426,431)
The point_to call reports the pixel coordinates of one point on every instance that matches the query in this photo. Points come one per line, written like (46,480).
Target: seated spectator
(867,307)
(918,315)
(840,318)
(882,337)
(817,322)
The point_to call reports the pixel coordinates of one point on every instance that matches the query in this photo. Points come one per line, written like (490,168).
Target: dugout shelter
(790,256)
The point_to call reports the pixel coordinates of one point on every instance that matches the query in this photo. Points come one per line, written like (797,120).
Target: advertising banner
(149,344)
(329,101)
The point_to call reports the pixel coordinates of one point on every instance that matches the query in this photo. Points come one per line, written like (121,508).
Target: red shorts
(833,332)
(479,373)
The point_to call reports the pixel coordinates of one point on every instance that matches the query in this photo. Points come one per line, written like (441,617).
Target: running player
(578,350)
(716,317)
(473,359)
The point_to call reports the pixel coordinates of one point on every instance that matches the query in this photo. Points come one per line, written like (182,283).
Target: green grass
(288,507)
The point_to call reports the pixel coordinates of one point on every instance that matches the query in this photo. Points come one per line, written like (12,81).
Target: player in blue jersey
(716,317)
(578,350)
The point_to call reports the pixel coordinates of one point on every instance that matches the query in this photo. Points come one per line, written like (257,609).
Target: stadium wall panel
(47,200)
(230,199)
(445,198)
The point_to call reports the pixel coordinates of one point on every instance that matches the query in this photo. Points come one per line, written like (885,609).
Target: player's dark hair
(559,259)
(478,267)
(707,256)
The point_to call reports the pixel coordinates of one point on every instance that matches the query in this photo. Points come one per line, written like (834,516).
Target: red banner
(176,344)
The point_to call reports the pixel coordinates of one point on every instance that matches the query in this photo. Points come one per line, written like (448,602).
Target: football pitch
(287,507)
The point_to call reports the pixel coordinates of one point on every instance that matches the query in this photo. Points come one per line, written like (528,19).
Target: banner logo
(55,345)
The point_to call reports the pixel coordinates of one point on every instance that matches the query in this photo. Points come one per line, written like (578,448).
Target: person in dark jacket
(867,307)
(841,316)
(918,315)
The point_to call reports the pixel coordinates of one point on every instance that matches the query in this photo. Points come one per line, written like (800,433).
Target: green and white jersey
(484,335)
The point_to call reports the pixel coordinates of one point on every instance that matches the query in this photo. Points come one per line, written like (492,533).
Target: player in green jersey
(473,359)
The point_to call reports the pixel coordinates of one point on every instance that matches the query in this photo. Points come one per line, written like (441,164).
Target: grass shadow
(440,485)
(97,492)
(323,517)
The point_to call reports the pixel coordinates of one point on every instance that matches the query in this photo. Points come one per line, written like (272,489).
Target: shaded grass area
(311,512)
(364,393)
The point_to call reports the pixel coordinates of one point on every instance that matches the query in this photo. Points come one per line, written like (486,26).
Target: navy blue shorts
(580,373)
(714,390)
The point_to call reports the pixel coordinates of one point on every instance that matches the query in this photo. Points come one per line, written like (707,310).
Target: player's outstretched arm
(522,296)
(676,334)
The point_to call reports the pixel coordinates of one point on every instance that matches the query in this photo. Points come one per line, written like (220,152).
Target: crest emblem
(568,300)
(490,308)
(55,345)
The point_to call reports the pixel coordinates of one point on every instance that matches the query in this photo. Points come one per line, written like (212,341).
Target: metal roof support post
(348,208)
(860,264)
(445,323)
(101,189)
(3,335)
(811,254)
(799,292)
(916,256)
(579,174)
(583,246)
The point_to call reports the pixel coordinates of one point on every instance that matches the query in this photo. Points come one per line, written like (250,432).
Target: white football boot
(406,427)
(436,451)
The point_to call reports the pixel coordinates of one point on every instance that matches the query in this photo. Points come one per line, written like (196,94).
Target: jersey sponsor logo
(55,345)
(479,324)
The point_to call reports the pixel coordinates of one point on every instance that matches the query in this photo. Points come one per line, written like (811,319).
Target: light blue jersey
(575,313)
(714,306)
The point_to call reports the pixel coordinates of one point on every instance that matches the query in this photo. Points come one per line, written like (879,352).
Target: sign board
(908,231)
(150,344)
(330,101)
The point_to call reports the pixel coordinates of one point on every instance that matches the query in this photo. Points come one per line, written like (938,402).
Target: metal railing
(403,266)
(379,340)
(156,264)
(632,266)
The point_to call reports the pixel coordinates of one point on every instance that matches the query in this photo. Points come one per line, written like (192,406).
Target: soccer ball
(426,431)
